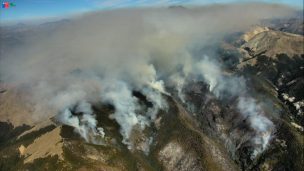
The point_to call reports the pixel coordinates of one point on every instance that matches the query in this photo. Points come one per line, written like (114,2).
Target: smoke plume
(105,56)
(232,86)
(85,125)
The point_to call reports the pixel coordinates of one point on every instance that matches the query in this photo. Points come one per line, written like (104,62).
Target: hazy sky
(37,9)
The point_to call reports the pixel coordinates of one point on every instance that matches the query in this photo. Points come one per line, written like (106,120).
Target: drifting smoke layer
(104,56)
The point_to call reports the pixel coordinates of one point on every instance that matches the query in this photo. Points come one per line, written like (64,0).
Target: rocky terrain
(201,131)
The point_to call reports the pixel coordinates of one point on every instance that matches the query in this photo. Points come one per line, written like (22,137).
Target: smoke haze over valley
(126,79)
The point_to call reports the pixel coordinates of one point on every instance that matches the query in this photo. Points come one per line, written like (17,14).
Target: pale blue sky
(36,9)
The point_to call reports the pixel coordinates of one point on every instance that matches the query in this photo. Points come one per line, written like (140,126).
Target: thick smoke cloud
(105,56)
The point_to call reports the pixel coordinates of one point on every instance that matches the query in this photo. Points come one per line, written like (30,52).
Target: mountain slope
(201,130)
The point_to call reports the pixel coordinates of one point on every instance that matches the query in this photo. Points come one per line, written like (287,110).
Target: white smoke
(119,94)
(210,71)
(235,86)
(262,126)
(85,125)
(105,56)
